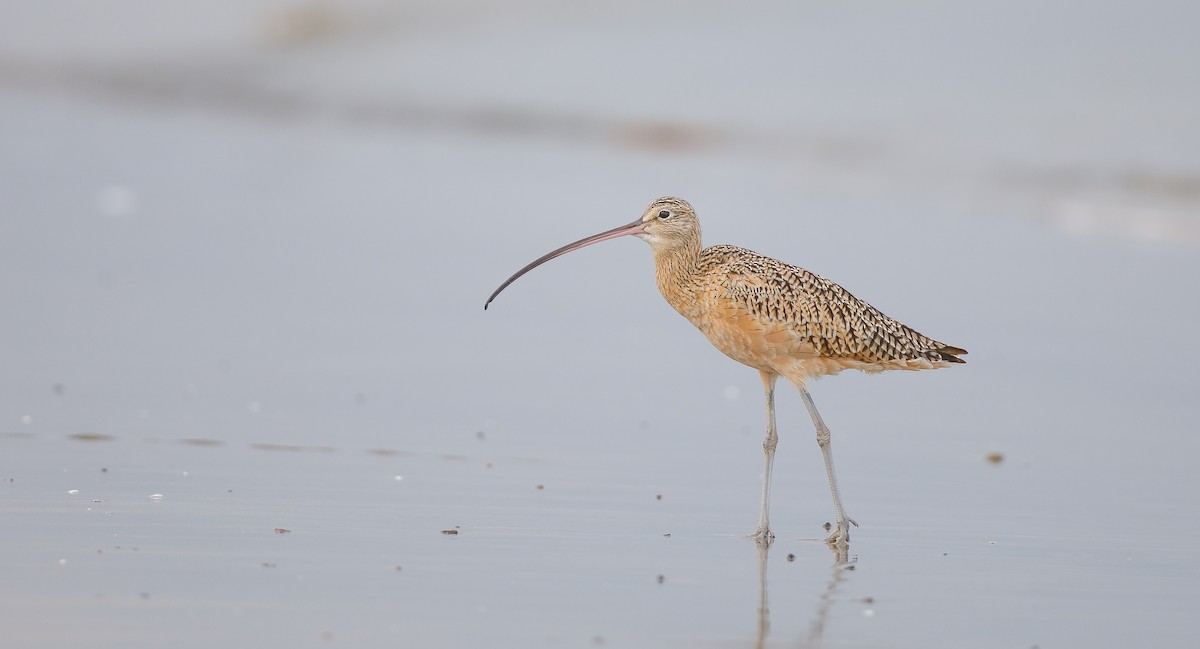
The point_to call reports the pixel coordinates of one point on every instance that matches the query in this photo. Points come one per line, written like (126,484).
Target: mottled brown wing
(782,299)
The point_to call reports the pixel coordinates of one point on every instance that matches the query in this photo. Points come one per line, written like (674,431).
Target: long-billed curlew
(779,319)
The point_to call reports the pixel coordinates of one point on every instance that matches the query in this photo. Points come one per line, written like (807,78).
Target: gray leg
(763,533)
(842,533)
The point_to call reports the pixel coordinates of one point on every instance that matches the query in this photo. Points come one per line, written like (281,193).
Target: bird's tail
(947,353)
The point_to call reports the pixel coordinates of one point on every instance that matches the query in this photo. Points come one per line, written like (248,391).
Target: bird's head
(667,224)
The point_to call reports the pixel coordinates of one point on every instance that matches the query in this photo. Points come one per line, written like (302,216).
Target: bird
(779,319)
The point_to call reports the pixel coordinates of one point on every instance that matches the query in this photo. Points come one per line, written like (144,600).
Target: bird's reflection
(816,629)
(764,614)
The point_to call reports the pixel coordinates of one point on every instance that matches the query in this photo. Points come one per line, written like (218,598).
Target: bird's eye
(665,214)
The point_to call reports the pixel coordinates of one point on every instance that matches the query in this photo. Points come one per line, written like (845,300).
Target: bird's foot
(841,533)
(763,534)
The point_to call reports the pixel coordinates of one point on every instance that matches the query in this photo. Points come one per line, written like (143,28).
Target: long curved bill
(637,227)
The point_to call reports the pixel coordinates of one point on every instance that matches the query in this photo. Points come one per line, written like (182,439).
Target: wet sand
(249,396)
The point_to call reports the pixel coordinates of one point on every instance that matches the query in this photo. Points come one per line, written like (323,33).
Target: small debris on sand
(91,437)
(282,530)
(791,557)
(451,532)
(661,578)
(541,487)
(995,457)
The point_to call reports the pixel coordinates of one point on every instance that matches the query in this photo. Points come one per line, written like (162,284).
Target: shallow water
(304,545)
(247,384)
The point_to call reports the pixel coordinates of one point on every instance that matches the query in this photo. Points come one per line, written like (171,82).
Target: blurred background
(280,217)
(273,224)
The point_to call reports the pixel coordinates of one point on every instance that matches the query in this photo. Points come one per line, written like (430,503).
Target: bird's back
(778,317)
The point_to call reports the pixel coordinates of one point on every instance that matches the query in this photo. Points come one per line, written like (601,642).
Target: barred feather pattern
(820,312)
(782,318)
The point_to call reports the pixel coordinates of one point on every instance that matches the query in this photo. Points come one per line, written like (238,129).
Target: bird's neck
(675,270)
